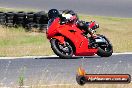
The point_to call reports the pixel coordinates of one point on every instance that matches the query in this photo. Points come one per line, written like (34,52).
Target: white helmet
(70,15)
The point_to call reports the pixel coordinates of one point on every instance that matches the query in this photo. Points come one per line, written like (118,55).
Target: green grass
(16,9)
(22,39)
(17,42)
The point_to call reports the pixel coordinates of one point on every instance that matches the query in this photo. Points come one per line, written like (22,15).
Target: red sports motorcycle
(67,40)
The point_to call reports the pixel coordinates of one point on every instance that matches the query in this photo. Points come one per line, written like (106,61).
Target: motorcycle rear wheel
(61,50)
(105,51)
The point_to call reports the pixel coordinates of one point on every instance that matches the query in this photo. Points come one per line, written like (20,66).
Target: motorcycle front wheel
(61,50)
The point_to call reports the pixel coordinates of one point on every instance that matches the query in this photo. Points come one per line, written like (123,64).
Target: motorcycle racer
(69,16)
(67,39)
(72,17)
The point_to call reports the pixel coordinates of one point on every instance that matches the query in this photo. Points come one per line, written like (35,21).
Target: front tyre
(61,50)
(105,50)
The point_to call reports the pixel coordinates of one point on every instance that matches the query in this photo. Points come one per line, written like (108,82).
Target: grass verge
(16,9)
(17,42)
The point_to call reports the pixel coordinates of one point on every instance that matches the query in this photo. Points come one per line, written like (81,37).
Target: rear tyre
(61,50)
(10,19)
(105,51)
(19,18)
(29,21)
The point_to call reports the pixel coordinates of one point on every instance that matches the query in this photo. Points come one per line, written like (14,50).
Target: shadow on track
(76,57)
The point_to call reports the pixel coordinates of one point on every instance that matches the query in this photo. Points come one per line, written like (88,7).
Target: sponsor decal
(82,78)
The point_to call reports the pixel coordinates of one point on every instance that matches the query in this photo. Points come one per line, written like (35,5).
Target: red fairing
(60,38)
(74,34)
(52,30)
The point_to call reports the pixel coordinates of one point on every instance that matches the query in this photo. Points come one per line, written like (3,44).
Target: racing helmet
(52,13)
(70,15)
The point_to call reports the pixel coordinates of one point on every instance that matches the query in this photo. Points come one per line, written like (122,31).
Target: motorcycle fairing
(74,34)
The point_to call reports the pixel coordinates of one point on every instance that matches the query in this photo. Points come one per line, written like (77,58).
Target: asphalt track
(116,8)
(53,70)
